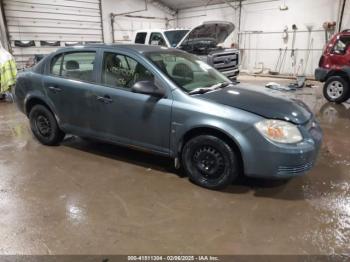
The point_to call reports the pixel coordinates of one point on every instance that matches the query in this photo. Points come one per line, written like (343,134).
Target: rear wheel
(336,89)
(210,162)
(44,126)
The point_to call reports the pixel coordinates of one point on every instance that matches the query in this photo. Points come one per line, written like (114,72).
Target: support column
(3,29)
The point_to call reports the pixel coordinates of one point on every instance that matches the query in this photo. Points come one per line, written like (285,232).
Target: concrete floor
(90,198)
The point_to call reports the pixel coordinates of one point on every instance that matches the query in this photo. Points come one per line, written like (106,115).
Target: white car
(203,41)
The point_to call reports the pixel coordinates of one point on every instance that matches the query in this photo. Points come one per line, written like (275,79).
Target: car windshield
(188,71)
(175,36)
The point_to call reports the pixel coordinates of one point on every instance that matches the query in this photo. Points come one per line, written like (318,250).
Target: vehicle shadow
(120,153)
(278,189)
(267,188)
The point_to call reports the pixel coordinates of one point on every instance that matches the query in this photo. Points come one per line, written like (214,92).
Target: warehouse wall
(263,47)
(58,21)
(81,21)
(189,18)
(346,19)
(125,27)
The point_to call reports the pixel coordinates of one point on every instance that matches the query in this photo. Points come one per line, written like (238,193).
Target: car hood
(218,30)
(260,103)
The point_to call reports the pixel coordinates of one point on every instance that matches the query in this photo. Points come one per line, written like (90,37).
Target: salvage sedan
(170,103)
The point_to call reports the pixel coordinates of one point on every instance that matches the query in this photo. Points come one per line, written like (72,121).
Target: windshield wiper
(202,90)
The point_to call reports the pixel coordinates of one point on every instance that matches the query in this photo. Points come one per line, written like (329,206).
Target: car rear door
(130,118)
(68,84)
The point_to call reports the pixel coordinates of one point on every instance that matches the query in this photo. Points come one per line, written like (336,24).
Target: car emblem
(227,60)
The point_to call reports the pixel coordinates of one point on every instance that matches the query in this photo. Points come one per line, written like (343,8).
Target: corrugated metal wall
(56,20)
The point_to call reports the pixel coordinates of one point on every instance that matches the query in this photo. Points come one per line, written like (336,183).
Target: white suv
(203,41)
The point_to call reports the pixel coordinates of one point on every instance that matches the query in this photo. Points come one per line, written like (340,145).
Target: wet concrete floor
(92,198)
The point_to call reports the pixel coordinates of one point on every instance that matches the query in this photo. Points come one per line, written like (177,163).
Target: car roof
(132,47)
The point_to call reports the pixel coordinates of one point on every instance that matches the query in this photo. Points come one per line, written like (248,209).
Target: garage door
(40,26)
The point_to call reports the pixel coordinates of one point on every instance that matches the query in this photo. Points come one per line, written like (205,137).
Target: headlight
(279,131)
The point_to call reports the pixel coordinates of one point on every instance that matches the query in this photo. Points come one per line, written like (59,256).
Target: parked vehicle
(171,103)
(203,41)
(162,37)
(334,68)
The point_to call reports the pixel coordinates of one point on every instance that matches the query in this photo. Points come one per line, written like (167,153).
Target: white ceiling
(182,4)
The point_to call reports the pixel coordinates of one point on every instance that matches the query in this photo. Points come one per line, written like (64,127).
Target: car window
(123,71)
(140,38)
(186,70)
(76,65)
(341,45)
(56,63)
(174,37)
(157,39)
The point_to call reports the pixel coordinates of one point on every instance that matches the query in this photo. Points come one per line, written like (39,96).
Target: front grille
(225,61)
(293,170)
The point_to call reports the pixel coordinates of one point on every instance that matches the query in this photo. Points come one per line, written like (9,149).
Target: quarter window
(77,65)
(123,71)
(56,64)
(157,39)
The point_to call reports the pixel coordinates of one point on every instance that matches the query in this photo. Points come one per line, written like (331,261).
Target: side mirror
(147,88)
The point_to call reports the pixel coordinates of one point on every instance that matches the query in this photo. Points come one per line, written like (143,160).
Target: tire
(44,126)
(336,89)
(210,162)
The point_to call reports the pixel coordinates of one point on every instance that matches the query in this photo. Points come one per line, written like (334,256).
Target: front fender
(236,134)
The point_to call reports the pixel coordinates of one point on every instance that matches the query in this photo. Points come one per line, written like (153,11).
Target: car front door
(68,84)
(131,118)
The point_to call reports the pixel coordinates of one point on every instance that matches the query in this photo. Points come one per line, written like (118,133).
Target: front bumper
(274,160)
(321,74)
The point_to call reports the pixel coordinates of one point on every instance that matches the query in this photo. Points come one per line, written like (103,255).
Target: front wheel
(210,162)
(336,89)
(44,126)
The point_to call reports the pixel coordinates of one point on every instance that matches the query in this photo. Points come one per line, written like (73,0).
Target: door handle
(104,99)
(54,89)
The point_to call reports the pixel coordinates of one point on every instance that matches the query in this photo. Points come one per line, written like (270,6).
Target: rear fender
(35,96)
(344,72)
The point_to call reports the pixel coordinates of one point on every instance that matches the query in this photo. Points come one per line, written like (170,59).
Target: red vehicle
(334,68)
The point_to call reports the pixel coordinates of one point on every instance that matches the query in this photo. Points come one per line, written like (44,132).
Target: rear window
(341,45)
(140,38)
